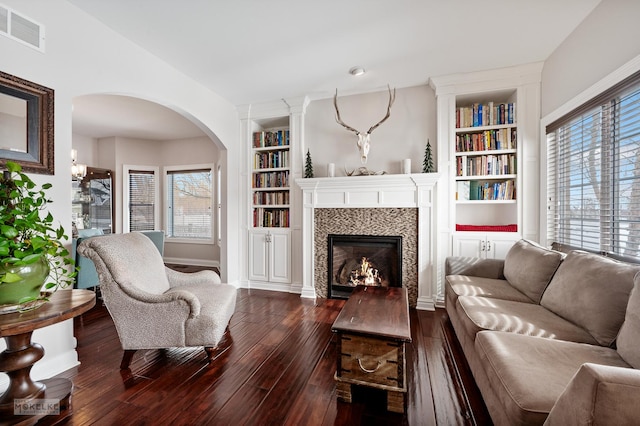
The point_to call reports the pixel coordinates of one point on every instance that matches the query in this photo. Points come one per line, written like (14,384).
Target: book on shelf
(271,139)
(463,191)
(264,217)
(489,191)
(475,193)
(271,160)
(271,179)
(497,139)
(486,165)
(489,114)
(267,198)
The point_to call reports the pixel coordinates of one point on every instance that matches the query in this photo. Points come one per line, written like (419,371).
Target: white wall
(83,57)
(87,149)
(403,135)
(604,41)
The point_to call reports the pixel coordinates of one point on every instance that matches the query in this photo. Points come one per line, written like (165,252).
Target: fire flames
(365,274)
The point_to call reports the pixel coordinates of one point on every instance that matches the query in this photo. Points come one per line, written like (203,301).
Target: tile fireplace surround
(371,205)
(367,221)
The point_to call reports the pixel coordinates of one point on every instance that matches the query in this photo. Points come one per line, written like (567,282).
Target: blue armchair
(87,276)
(158,239)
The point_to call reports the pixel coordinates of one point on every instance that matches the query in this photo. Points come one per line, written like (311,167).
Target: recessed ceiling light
(356,71)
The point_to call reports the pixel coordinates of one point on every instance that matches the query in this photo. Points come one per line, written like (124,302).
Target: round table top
(62,305)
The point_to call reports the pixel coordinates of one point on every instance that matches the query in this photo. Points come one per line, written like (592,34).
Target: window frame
(167,170)
(603,104)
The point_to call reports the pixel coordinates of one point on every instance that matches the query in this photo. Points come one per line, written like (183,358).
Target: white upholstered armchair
(153,306)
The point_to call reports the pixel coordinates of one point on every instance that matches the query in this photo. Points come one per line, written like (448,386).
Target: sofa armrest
(475,267)
(599,394)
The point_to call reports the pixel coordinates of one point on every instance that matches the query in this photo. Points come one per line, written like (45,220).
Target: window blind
(142,203)
(190,201)
(594,174)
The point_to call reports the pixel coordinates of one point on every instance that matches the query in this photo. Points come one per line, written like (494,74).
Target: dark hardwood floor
(276,369)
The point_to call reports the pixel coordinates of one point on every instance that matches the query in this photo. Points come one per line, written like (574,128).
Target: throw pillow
(591,291)
(629,336)
(529,267)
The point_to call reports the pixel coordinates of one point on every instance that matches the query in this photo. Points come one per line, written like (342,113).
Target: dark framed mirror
(26,124)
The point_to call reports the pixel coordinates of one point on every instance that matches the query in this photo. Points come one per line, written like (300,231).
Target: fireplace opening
(373,260)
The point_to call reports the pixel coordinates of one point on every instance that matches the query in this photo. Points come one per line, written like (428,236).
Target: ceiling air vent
(20,28)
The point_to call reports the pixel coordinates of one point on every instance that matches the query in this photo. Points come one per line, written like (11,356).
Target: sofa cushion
(591,291)
(627,342)
(483,313)
(464,285)
(529,267)
(528,374)
(218,303)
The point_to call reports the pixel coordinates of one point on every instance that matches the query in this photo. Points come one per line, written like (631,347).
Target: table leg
(17,360)
(395,401)
(343,391)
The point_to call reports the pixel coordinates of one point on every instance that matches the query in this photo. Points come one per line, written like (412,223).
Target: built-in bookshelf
(486,162)
(488,127)
(270,179)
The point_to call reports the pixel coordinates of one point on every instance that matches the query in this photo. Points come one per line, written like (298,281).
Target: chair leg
(126,358)
(211,352)
(223,345)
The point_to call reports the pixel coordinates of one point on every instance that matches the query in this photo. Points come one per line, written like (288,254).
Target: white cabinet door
(258,256)
(498,245)
(492,245)
(270,256)
(468,245)
(280,254)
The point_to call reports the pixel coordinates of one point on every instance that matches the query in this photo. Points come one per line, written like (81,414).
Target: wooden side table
(373,328)
(21,354)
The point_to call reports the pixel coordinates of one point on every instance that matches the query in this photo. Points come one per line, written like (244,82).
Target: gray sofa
(549,338)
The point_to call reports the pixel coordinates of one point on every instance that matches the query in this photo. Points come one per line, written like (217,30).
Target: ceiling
(250,51)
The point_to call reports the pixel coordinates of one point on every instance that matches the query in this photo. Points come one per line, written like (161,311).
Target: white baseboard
(192,262)
(425,304)
(259,285)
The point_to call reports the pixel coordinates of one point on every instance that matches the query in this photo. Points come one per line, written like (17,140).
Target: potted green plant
(32,255)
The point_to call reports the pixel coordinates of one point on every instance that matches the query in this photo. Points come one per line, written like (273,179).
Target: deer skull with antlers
(364,139)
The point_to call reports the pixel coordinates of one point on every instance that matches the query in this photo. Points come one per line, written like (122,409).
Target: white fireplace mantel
(383,191)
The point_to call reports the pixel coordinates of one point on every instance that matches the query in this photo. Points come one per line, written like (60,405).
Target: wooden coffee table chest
(372,329)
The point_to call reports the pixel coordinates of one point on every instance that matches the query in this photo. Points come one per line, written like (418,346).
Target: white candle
(406,166)
(331,170)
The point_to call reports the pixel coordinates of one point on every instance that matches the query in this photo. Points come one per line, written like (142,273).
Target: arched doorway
(127,133)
